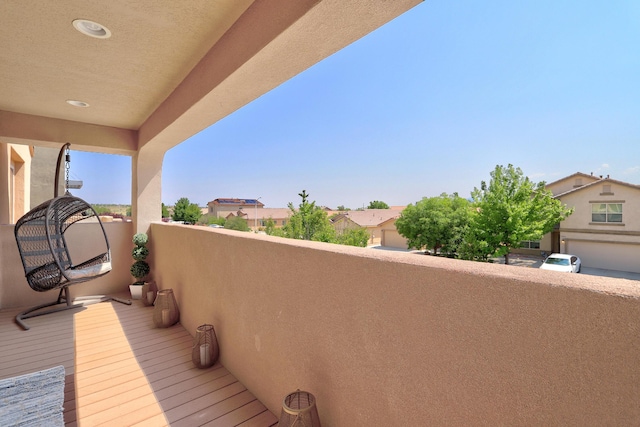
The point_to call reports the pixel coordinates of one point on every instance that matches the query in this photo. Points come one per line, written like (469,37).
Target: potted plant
(140,267)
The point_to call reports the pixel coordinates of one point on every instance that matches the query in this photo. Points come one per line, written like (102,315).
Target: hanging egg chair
(48,260)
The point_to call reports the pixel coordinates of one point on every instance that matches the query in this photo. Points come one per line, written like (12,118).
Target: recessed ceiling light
(92,29)
(76,103)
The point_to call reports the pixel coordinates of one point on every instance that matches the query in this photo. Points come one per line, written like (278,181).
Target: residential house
(380,223)
(604,229)
(379,337)
(222,207)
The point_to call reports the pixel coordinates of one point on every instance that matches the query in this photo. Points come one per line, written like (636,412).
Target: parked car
(562,262)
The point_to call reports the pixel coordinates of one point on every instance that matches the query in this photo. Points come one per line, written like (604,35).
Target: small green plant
(140,267)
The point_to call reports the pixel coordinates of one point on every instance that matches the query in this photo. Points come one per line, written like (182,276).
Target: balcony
(381,338)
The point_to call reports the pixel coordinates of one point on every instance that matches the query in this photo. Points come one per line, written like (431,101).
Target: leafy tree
(271,229)
(165,212)
(354,237)
(435,223)
(510,209)
(101,210)
(236,223)
(343,209)
(308,222)
(207,219)
(376,204)
(186,211)
(270,226)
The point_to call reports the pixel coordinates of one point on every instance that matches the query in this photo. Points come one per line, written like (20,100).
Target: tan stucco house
(378,222)
(222,207)
(604,229)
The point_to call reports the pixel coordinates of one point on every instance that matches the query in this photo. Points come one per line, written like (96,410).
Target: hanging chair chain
(67,166)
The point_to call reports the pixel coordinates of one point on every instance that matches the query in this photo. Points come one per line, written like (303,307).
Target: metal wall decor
(205,350)
(165,310)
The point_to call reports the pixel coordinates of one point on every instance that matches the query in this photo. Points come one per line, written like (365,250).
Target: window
(606,212)
(530,244)
(284,222)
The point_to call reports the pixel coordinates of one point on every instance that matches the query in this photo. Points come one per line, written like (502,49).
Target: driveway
(535,262)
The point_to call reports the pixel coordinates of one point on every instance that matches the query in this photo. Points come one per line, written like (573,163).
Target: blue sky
(429,103)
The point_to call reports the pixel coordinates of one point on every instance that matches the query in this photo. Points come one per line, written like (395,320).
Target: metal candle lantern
(165,312)
(299,410)
(204,352)
(149,291)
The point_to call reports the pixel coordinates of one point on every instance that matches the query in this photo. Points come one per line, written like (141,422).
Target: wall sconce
(205,350)
(165,312)
(299,410)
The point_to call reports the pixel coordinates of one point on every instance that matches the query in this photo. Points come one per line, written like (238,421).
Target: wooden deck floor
(123,371)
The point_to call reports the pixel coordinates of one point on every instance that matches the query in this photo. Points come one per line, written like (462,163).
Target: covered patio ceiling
(168,70)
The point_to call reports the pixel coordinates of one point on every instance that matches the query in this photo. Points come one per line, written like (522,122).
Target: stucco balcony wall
(386,338)
(82,239)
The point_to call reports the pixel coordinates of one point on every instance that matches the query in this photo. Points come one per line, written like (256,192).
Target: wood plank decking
(123,371)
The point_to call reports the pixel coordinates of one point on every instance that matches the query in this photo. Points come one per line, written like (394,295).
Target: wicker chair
(47,262)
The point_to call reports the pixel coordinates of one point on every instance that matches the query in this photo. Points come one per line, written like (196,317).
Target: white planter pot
(136,291)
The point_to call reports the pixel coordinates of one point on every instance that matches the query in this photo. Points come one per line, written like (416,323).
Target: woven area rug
(34,399)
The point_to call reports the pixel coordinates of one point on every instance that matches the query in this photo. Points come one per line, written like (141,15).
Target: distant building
(380,223)
(257,218)
(222,207)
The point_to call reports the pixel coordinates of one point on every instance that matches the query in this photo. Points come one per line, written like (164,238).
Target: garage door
(610,256)
(393,239)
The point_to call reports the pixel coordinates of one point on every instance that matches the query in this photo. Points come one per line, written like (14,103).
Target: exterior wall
(15,291)
(15,171)
(391,338)
(43,168)
(571,182)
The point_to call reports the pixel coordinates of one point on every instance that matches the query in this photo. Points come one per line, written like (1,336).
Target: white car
(562,262)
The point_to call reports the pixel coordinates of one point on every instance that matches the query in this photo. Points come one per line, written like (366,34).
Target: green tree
(186,211)
(308,222)
(165,212)
(510,209)
(358,236)
(343,208)
(377,204)
(236,223)
(435,223)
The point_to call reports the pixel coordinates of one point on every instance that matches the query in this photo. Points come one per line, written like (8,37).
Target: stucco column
(146,187)
(5,201)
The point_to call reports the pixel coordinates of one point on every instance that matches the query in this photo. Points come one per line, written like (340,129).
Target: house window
(284,222)
(530,244)
(606,212)
(263,223)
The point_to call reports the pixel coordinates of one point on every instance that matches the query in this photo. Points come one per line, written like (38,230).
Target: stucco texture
(385,338)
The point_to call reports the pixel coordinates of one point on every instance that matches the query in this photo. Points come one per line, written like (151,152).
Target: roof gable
(371,217)
(591,185)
